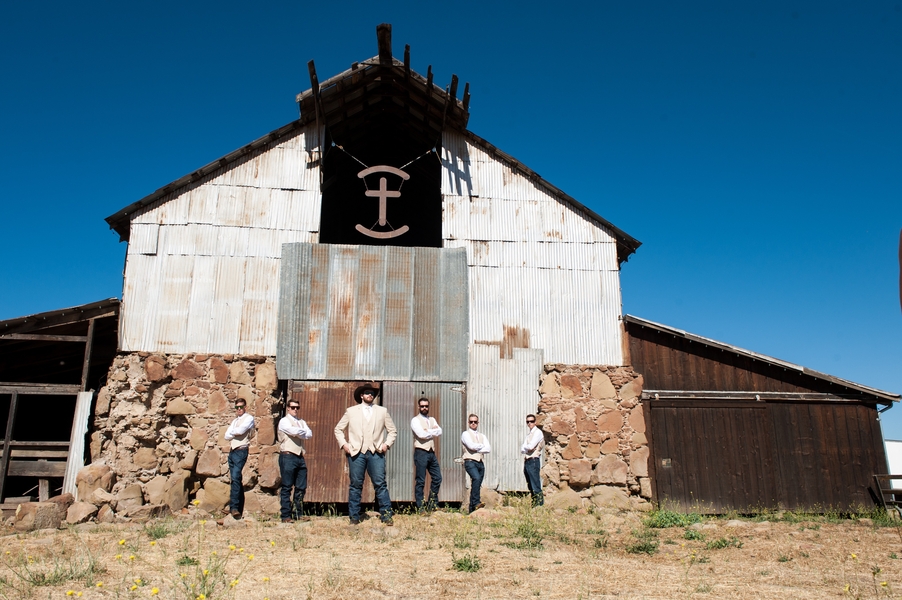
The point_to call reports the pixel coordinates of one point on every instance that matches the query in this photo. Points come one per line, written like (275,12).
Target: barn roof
(343,102)
(852,388)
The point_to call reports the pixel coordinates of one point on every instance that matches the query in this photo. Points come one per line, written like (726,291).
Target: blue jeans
(237,458)
(294,474)
(476,471)
(374,464)
(424,460)
(531,468)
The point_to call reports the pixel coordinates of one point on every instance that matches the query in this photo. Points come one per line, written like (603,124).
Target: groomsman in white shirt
(239,437)
(475,446)
(292,432)
(532,452)
(425,431)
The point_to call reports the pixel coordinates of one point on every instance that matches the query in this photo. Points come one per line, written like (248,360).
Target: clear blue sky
(755,148)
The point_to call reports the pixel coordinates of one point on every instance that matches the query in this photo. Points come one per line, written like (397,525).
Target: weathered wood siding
(537,265)
(717,456)
(671,363)
(202,268)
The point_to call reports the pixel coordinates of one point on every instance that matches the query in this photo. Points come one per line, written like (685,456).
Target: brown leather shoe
(288,520)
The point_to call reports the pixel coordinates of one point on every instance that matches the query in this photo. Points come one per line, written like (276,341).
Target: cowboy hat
(363,388)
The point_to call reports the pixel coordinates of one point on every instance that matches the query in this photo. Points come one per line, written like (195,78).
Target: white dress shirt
(239,431)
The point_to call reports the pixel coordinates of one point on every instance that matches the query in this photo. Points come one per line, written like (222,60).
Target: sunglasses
(530,420)
(293,407)
(474,422)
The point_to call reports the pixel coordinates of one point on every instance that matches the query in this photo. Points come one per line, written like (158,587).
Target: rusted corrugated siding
(322,405)
(537,263)
(502,392)
(447,406)
(355,312)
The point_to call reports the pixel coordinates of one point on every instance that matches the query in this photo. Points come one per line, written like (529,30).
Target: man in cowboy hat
(371,432)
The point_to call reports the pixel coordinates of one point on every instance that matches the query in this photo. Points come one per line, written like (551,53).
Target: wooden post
(43,490)
(383,38)
(4,462)
(87,364)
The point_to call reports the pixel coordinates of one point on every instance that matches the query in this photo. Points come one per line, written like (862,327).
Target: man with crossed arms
(371,432)
(425,430)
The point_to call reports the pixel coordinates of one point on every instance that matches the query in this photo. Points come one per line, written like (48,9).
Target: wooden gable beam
(383,38)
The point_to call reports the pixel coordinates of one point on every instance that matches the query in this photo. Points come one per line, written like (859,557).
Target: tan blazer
(366,435)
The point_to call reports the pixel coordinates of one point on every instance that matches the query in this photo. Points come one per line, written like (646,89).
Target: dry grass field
(508,552)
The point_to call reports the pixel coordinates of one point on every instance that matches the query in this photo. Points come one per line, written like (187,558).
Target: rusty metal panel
(374,313)
(427,311)
(447,405)
(397,339)
(398,398)
(322,405)
(502,391)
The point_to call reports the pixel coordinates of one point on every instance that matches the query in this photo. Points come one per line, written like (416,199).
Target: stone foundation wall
(159,425)
(595,435)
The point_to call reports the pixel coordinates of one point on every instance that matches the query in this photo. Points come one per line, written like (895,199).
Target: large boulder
(265,377)
(215,496)
(210,463)
(147,511)
(129,498)
(93,477)
(606,496)
(80,512)
(610,469)
(565,499)
(38,515)
(63,502)
(99,497)
(175,494)
(154,490)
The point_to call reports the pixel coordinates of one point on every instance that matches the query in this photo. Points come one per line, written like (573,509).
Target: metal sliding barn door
(446,404)
(322,405)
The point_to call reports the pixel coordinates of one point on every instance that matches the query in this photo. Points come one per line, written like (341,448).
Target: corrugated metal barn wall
(203,261)
(536,263)
(502,391)
(370,312)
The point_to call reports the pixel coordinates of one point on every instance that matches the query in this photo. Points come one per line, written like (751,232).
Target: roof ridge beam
(383,39)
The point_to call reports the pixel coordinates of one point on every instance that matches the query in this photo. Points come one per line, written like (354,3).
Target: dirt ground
(507,552)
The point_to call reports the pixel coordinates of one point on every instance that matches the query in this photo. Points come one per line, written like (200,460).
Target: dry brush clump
(513,551)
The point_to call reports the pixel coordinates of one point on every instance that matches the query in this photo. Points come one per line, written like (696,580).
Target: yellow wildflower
(883,584)
(78,595)
(854,556)
(202,597)
(265,579)
(206,572)
(182,575)
(121,542)
(250,557)
(118,557)
(195,502)
(234,583)
(138,580)
(131,557)
(231,546)
(133,588)
(154,591)
(203,521)
(70,593)
(99,584)
(271,543)
(241,550)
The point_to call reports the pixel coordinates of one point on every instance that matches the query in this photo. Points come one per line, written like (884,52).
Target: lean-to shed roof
(846,387)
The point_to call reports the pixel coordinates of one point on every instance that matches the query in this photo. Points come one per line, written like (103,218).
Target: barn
(377,239)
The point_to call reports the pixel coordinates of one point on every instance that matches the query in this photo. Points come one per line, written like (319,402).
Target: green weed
(468,563)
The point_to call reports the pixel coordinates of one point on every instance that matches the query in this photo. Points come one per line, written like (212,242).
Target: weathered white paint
(202,270)
(537,263)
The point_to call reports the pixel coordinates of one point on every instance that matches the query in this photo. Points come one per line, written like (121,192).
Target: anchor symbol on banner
(383,193)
